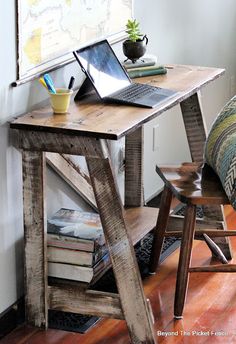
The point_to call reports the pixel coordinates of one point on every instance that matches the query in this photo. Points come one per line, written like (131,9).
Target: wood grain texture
(35,238)
(194,126)
(140,221)
(129,284)
(72,299)
(134,168)
(73,176)
(176,223)
(159,232)
(196,135)
(184,260)
(194,183)
(58,143)
(95,119)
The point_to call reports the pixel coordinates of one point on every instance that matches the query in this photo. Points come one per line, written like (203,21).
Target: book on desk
(146,71)
(144,66)
(76,245)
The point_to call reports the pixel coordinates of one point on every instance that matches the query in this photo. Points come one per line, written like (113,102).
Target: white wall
(14,101)
(184,31)
(188,32)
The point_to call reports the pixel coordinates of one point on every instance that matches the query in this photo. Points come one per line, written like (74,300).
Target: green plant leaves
(133,30)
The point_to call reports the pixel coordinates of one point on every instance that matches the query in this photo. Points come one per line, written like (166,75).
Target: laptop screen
(103,68)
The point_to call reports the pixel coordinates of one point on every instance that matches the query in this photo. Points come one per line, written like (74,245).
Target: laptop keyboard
(134,92)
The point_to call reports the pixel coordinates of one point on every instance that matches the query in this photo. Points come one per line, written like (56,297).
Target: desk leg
(194,126)
(129,283)
(134,168)
(35,238)
(196,135)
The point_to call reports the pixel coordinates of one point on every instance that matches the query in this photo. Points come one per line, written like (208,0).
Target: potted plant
(135,46)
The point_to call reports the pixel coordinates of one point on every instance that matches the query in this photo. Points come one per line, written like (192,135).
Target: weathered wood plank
(196,135)
(111,121)
(58,143)
(35,238)
(129,283)
(194,126)
(159,232)
(73,176)
(134,168)
(175,223)
(72,299)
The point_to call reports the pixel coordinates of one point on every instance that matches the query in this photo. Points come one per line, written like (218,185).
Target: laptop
(110,80)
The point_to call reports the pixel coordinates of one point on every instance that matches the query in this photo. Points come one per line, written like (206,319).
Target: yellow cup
(60,101)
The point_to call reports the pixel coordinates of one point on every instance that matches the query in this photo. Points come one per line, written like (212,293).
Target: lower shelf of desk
(140,221)
(72,296)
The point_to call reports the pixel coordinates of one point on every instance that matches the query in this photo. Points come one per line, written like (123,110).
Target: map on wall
(49,30)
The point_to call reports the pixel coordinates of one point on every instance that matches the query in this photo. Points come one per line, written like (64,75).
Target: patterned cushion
(220,149)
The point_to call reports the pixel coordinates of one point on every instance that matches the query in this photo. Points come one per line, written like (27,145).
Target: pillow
(220,149)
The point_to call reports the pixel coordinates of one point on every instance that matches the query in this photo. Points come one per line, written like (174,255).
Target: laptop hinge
(85,89)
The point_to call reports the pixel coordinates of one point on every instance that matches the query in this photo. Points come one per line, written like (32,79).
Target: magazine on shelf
(75,230)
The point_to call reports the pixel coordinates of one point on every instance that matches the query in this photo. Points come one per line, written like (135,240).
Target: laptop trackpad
(151,100)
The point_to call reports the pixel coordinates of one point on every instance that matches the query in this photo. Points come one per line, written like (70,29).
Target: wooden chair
(192,184)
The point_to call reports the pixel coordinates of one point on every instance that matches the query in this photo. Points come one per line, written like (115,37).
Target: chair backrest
(220,149)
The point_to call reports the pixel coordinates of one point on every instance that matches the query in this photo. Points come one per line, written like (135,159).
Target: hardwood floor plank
(20,336)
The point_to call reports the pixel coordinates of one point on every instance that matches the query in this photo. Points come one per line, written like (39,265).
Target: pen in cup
(71,83)
(43,83)
(49,83)
(59,97)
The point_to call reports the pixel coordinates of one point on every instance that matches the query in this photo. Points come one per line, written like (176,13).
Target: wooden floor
(209,317)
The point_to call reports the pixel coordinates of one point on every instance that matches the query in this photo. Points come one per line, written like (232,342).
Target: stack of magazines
(144,66)
(76,246)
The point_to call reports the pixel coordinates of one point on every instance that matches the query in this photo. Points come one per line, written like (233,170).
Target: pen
(43,83)
(49,83)
(71,83)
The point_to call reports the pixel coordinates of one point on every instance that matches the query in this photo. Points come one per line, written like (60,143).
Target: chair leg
(159,231)
(184,260)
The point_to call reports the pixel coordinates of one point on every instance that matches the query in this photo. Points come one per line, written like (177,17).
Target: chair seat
(194,183)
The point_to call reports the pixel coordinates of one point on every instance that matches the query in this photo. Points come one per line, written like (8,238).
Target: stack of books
(76,246)
(145,66)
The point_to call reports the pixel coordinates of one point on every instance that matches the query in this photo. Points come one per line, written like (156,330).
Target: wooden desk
(84,131)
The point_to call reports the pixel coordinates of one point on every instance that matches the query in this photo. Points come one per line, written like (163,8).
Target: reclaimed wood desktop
(84,131)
